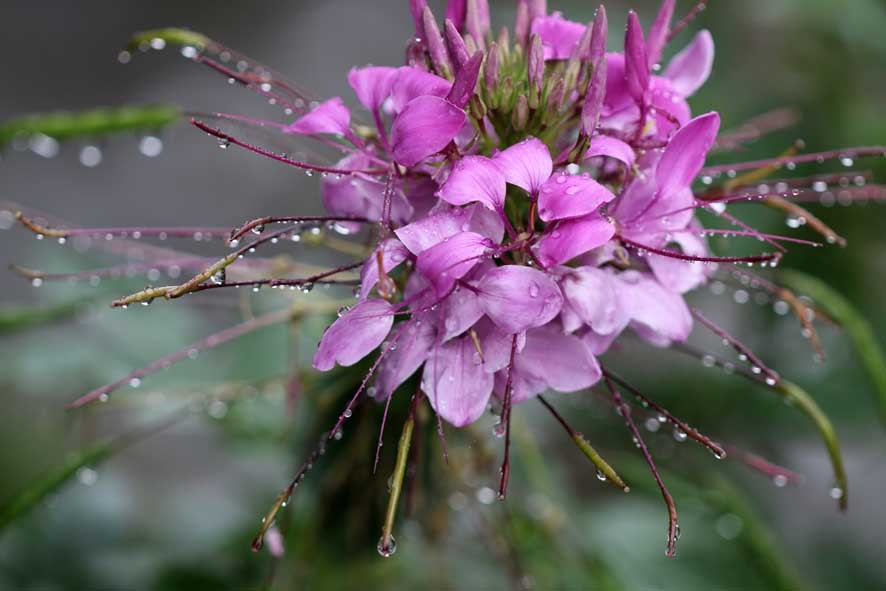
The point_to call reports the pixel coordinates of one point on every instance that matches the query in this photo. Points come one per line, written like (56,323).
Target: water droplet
(223,143)
(533,290)
(158,43)
(847,161)
(348,413)
(387,548)
(780,480)
(150,146)
(124,57)
(499,429)
(90,156)
(708,361)
(485,495)
(679,435)
(600,476)
(836,493)
(135,382)
(87,476)
(652,425)
(36,281)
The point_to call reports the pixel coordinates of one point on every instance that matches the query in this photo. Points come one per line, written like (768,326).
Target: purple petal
(359,195)
(496,345)
(676,275)
(425,126)
(459,311)
(592,294)
(475,178)
(527,164)
(477,21)
(658,32)
(558,35)
(331,117)
(416,8)
(411,83)
(658,314)
(426,232)
(604,145)
(636,65)
(573,237)
(457,386)
(413,348)
(450,260)
(436,43)
(570,196)
(599,343)
(392,253)
(456,10)
(372,85)
(517,298)
(690,68)
(456,45)
(466,81)
(593,105)
(561,362)
(685,154)
(599,33)
(353,336)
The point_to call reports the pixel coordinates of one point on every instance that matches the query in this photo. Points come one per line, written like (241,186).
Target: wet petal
(517,298)
(425,126)
(526,164)
(657,314)
(560,361)
(475,178)
(658,32)
(603,145)
(425,233)
(676,275)
(456,385)
(636,66)
(413,348)
(392,254)
(411,83)
(592,294)
(690,68)
(353,336)
(459,311)
(685,154)
(496,345)
(331,117)
(359,195)
(558,35)
(570,196)
(372,85)
(573,237)
(450,260)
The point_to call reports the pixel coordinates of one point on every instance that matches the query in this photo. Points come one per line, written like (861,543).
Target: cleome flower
(529,199)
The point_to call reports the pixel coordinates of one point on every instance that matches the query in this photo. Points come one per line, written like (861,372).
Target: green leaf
(17,318)
(169,35)
(856,326)
(63,125)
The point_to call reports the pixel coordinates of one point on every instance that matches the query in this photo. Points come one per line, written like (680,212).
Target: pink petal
(372,85)
(425,126)
(475,178)
(573,237)
(570,196)
(450,260)
(597,343)
(456,11)
(456,385)
(604,145)
(593,294)
(410,83)
(426,232)
(393,253)
(690,68)
(353,336)
(657,314)
(658,32)
(359,195)
(676,275)
(557,361)
(331,117)
(496,345)
(558,35)
(526,164)
(459,311)
(517,298)
(413,348)
(636,65)
(685,154)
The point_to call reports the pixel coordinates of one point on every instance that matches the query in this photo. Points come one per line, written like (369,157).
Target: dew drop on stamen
(124,57)
(135,382)
(90,156)
(223,143)
(150,146)
(652,424)
(387,549)
(600,476)
(679,435)
(348,413)
(36,282)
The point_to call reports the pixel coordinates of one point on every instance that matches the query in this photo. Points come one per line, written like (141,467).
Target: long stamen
(757,366)
(692,433)
(387,545)
(625,411)
(264,221)
(188,352)
(603,467)
(506,417)
(761,258)
(135,232)
(846,155)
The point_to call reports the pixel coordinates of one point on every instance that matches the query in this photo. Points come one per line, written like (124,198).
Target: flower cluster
(530,198)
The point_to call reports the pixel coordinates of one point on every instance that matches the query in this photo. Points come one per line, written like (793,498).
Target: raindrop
(708,361)
(135,382)
(87,476)
(600,476)
(90,156)
(485,495)
(836,493)
(387,549)
(43,145)
(158,43)
(36,281)
(679,435)
(223,143)
(342,311)
(348,413)
(729,526)
(780,480)
(150,146)
(652,425)
(124,57)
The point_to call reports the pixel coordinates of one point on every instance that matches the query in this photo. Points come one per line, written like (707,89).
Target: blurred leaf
(17,318)
(62,125)
(858,328)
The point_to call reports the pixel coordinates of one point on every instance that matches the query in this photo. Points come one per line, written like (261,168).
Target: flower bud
(436,44)
(520,116)
(456,44)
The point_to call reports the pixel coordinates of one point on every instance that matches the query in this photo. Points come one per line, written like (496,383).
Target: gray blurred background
(177,510)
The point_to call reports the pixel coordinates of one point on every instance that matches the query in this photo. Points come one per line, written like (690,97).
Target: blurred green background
(177,508)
